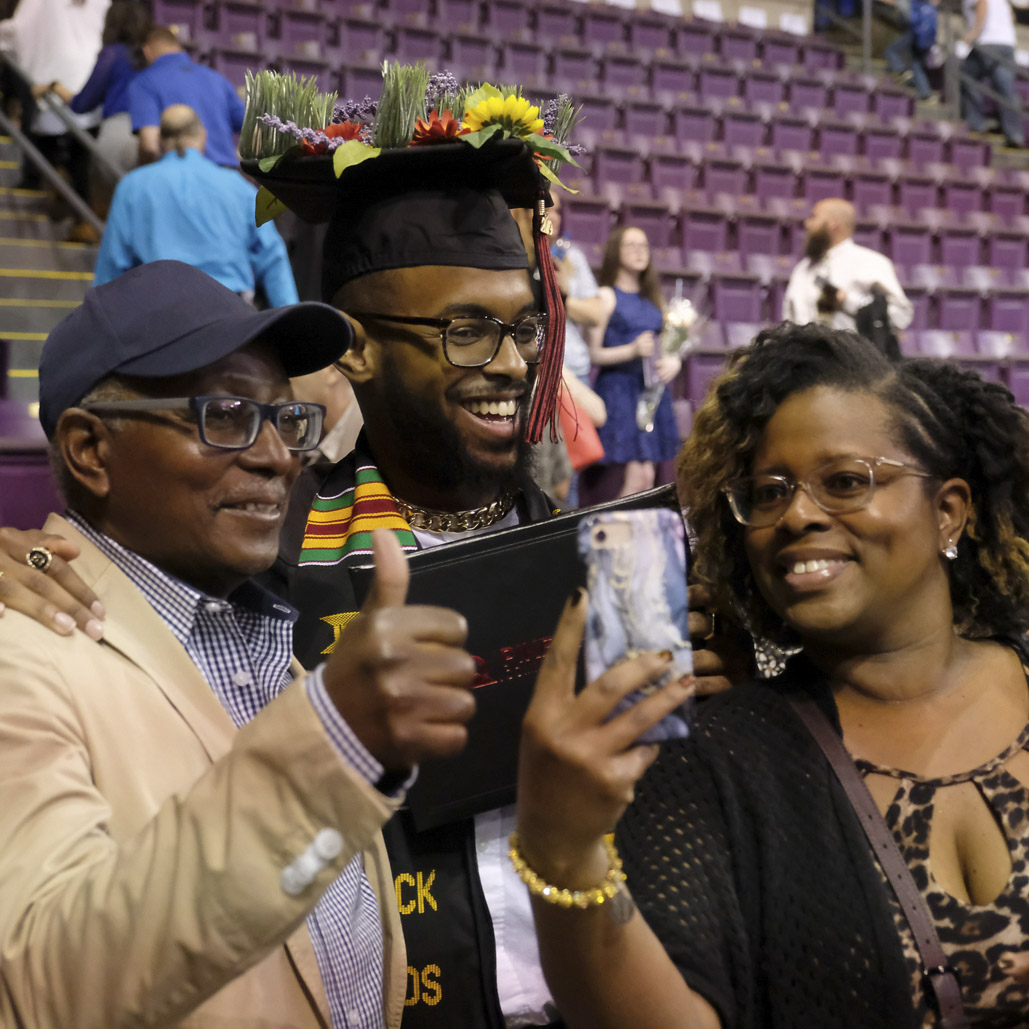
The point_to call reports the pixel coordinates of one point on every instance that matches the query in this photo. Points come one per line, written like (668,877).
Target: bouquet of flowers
(681,318)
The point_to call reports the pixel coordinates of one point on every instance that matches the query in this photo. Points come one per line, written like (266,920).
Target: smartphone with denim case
(636,576)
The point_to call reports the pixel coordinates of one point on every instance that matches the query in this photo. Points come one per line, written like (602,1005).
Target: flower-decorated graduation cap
(404,182)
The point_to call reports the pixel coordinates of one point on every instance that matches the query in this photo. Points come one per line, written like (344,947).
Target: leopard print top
(974,936)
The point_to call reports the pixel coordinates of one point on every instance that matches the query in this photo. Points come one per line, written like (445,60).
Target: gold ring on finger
(39,558)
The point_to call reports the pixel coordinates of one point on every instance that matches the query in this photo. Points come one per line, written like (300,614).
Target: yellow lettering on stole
(424,988)
(338,623)
(422,894)
(405,879)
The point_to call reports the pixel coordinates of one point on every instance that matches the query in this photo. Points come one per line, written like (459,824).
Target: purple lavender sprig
(441,92)
(550,113)
(312,136)
(362,111)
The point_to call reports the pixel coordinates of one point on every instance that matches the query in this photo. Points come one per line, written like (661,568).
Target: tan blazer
(142,837)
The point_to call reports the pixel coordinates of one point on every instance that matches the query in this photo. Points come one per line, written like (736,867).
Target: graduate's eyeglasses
(839,486)
(234,423)
(472,342)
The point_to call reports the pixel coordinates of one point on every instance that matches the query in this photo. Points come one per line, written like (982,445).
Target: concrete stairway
(41,278)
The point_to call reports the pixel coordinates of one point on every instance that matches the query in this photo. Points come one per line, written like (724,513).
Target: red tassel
(548,371)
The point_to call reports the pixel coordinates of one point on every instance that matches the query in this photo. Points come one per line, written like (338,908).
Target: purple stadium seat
(738,44)
(617,164)
(739,334)
(780,49)
(924,148)
(183,14)
(623,73)
(652,33)
(822,182)
(671,171)
(1006,201)
(361,40)
(645,118)
(984,279)
(574,69)
(414,44)
(458,15)
(961,196)
(818,56)
(308,67)
(234,64)
(1008,311)
(880,142)
(699,373)
(1018,381)
(741,128)
(405,12)
(915,193)
(888,104)
(604,26)
(358,80)
(725,176)
(523,62)
(694,124)
(587,219)
(959,248)
(297,30)
(705,229)
(473,56)
(932,277)
(599,112)
(920,302)
(558,23)
(672,79)
(697,37)
(910,244)
(967,153)
(957,310)
(239,21)
(774,180)
(808,94)
(836,138)
(509,19)
(998,345)
(850,98)
(715,83)
(737,298)
(870,188)
(762,87)
(758,234)
(1007,250)
(869,234)
(653,218)
(792,134)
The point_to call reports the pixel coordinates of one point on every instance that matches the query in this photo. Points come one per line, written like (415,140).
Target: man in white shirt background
(837,277)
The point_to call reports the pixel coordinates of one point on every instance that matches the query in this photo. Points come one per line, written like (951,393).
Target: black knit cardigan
(745,857)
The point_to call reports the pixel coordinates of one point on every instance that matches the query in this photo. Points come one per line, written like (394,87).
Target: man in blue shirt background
(173,77)
(186,208)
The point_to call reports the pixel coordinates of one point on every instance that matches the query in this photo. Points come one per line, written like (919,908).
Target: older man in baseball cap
(191,825)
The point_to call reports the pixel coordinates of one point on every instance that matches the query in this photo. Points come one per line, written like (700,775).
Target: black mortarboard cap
(445,204)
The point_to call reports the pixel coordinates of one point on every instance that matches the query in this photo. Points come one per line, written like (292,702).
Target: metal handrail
(865,33)
(47,170)
(116,171)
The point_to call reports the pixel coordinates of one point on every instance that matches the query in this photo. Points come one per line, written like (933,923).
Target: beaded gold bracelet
(596,895)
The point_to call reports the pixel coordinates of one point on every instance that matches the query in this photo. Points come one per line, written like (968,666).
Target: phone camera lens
(601,536)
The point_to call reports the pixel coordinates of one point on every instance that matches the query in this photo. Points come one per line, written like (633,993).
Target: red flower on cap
(345,130)
(438,129)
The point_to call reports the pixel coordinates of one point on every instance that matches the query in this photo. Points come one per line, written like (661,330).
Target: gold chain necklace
(455,521)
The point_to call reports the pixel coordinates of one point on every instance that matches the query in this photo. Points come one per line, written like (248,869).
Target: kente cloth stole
(352,502)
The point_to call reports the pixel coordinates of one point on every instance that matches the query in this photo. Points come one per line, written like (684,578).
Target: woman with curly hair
(872,520)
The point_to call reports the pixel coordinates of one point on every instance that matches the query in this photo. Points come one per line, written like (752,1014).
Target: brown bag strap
(935,968)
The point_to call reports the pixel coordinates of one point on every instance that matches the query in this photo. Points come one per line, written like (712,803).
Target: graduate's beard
(436,449)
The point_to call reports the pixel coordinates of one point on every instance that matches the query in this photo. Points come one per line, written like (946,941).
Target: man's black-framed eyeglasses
(471,341)
(233,423)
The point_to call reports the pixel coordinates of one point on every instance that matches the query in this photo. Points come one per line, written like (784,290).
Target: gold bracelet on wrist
(592,897)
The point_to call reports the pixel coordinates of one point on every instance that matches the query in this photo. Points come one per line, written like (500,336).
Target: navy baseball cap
(169,318)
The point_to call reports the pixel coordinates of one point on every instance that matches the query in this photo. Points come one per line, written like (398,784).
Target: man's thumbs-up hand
(399,675)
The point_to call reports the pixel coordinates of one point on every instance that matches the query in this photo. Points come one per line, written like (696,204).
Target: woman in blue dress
(627,336)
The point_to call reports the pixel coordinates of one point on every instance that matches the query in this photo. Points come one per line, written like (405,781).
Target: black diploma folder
(511,585)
